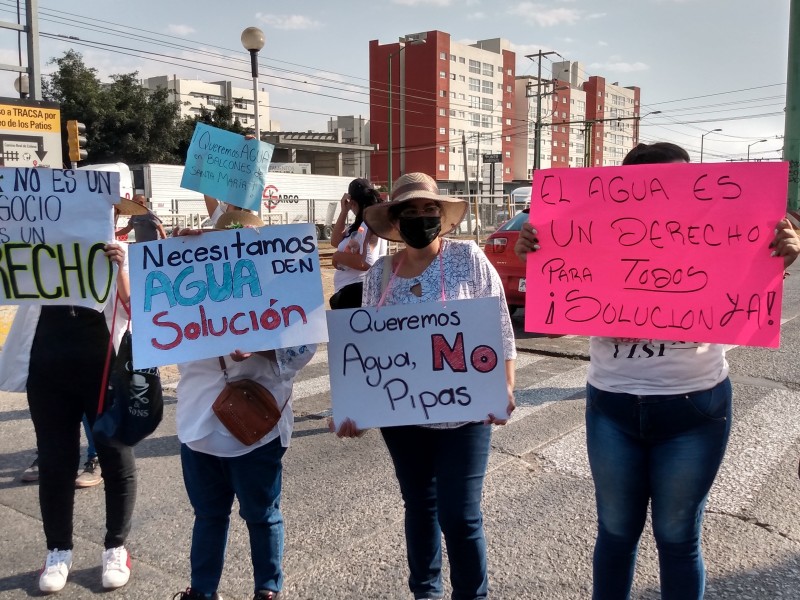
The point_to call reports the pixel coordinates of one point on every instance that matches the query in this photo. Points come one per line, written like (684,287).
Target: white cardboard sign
(54,225)
(411,364)
(203,296)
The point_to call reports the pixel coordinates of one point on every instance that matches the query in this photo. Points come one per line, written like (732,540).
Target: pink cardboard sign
(667,251)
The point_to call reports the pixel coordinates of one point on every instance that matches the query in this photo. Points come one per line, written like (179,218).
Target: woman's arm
(211,204)
(348,259)
(337,231)
(510,378)
(116,254)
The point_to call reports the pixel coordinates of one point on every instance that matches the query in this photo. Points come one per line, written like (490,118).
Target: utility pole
(791,141)
(466,180)
(537,146)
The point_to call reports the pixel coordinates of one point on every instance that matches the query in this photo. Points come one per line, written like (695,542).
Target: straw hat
(129,207)
(409,187)
(236,219)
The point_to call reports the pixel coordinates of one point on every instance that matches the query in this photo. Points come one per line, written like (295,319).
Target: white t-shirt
(202,381)
(354,244)
(654,367)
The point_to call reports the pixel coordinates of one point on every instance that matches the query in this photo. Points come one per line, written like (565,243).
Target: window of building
(452,113)
(508,121)
(508,89)
(442,149)
(453,76)
(452,132)
(499,68)
(488,69)
(475,119)
(462,60)
(452,167)
(460,78)
(499,120)
(442,93)
(441,167)
(475,66)
(486,121)
(462,97)
(508,170)
(474,101)
(453,95)
(474,84)
(487,87)
(499,86)
(442,112)
(442,75)
(443,55)
(508,154)
(508,104)
(508,138)
(442,131)
(487,104)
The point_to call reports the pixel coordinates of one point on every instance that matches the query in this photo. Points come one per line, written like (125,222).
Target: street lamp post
(702,137)
(403,43)
(253,41)
(21,84)
(753,144)
(636,124)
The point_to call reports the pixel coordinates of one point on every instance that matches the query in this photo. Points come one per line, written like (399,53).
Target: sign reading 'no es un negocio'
(54,225)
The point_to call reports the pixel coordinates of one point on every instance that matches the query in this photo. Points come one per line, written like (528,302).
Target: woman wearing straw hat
(440,468)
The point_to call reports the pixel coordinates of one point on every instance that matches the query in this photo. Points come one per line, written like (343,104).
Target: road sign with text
(30,133)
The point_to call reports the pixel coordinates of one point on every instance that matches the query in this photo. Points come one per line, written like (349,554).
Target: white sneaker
(116,567)
(53,577)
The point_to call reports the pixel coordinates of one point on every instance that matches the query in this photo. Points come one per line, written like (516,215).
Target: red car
(500,252)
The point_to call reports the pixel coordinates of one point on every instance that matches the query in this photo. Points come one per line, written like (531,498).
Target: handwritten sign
(226,166)
(667,251)
(53,227)
(203,296)
(417,363)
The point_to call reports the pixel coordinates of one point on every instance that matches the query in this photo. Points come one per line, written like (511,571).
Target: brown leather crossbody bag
(246,408)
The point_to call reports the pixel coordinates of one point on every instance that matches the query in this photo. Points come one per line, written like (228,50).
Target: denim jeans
(441,472)
(212,482)
(665,450)
(91,451)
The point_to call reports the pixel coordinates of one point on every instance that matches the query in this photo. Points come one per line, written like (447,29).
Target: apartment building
(442,94)
(193,94)
(354,130)
(585,121)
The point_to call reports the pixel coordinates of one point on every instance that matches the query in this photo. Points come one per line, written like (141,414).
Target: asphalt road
(344,532)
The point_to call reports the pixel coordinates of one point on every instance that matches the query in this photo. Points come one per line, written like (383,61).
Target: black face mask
(419,232)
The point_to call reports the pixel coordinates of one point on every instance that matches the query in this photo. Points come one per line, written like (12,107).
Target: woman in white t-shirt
(658,417)
(357,248)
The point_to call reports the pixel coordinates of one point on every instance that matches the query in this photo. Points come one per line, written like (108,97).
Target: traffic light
(76,140)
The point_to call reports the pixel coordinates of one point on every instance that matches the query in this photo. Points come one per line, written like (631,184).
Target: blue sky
(705,64)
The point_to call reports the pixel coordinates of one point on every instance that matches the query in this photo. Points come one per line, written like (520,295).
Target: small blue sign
(226,166)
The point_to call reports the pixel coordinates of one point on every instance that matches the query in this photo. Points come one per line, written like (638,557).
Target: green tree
(221,117)
(124,121)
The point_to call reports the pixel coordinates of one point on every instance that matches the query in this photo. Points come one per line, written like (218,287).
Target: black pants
(348,297)
(64,379)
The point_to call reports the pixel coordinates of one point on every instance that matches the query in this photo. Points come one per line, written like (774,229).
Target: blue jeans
(665,450)
(441,472)
(91,451)
(211,483)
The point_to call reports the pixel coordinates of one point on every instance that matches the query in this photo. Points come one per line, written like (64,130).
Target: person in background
(657,425)
(357,248)
(218,469)
(91,474)
(440,468)
(146,227)
(62,373)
